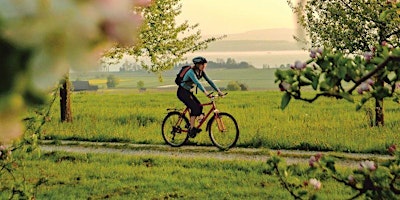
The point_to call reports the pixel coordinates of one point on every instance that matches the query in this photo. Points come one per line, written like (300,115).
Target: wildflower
(312,161)
(392,149)
(315,183)
(318,156)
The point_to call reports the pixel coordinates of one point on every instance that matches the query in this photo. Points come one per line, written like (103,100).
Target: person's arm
(212,84)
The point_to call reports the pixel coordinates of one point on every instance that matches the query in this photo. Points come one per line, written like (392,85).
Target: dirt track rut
(254,154)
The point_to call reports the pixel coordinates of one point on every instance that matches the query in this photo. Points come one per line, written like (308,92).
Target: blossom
(370,81)
(60,36)
(313,53)
(315,183)
(351,179)
(363,87)
(368,56)
(300,65)
(370,165)
(392,149)
(312,161)
(284,86)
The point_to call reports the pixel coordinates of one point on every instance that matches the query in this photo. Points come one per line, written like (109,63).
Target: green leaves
(285,100)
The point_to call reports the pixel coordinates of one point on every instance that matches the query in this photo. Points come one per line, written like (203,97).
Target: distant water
(257,58)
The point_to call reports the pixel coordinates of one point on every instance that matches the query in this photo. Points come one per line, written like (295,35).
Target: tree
(346,25)
(112,81)
(346,29)
(162,43)
(140,84)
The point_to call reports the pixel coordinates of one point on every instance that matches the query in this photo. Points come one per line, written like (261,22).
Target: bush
(112,81)
(235,86)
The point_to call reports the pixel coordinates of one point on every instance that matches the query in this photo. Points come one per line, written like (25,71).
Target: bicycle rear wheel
(174,129)
(224,135)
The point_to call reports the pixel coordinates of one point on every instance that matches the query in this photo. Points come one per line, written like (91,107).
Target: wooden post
(65,100)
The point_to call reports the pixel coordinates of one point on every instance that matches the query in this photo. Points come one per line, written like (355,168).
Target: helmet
(199,60)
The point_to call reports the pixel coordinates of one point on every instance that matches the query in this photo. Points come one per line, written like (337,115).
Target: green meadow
(124,114)
(115,176)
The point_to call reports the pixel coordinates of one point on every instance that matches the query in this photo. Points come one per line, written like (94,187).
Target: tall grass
(134,117)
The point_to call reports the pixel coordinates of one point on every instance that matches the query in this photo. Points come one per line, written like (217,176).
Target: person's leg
(191,102)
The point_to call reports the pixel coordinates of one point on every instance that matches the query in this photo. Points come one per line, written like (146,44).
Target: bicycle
(222,127)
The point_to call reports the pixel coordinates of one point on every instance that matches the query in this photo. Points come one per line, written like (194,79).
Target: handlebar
(212,97)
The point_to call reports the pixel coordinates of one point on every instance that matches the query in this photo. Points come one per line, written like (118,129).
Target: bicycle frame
(213,109)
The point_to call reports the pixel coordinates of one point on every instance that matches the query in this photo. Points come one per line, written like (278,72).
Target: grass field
(126,115)
(112,176)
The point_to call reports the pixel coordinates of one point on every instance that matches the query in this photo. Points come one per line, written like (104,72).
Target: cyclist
(185,93)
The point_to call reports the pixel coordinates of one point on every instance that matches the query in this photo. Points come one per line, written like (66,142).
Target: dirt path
(254,154)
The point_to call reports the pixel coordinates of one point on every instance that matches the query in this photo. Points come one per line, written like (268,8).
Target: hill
(282,34)
(257,40)
(252,45)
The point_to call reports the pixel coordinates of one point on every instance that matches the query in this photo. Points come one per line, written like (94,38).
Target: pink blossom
(392,149)
(142,3)
(363,87)
(370,165)
(351,179)
(368,56)
(318,156)
(312,161)
(370,81)
(284,86)
(300,65)
(320,50)
(315,183)
(313,53)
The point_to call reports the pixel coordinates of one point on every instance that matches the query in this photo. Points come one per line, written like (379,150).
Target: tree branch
(316,97)
(373,72)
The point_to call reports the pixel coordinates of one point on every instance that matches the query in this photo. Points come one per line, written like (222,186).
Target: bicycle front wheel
(223,131)
(174,129)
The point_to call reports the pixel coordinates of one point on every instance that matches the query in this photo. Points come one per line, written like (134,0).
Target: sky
(236,16)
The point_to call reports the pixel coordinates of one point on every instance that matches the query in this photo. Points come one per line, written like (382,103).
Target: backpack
(181,74)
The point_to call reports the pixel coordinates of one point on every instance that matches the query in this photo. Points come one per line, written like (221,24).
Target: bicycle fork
(220,123)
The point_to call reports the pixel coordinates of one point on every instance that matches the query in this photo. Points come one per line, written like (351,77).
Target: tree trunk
(379,118)
(65,100)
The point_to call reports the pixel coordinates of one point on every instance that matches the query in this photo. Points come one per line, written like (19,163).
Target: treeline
(229,63)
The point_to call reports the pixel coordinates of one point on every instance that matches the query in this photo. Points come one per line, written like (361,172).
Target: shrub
(112,81)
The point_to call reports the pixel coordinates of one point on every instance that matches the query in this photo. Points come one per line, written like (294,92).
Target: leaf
(315,82)
(342,71)
(347,96)
(285,100)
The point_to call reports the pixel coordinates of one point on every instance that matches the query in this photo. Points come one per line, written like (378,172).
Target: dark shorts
(190,101)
